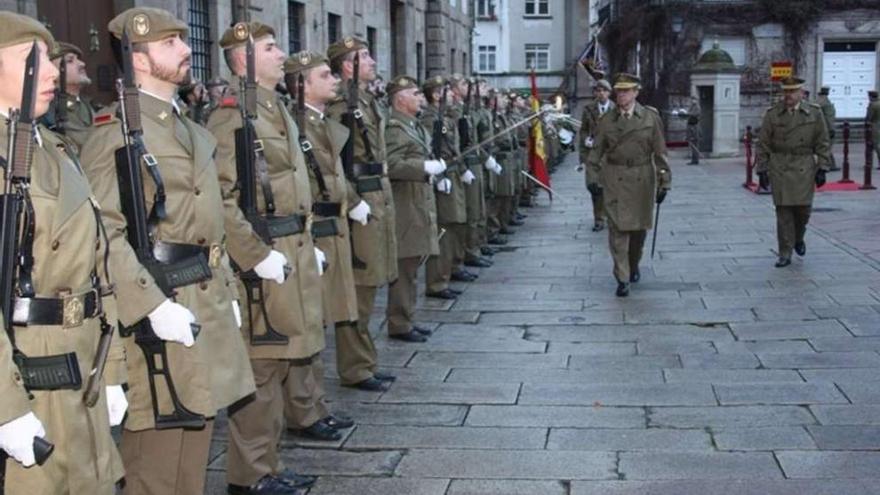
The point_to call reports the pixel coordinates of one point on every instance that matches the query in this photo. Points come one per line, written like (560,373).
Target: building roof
(715,60)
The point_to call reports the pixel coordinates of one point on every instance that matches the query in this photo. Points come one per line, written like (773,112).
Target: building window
(538,56)
(295,16)
(487,55)
(537,7)
(334,28)
(371,40)
(200,38)
(486,9)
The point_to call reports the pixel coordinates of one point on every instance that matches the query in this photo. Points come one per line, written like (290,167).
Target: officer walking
(629,158)
(829,113)
(600,105)
(210,369)
(412,172)
(792,157)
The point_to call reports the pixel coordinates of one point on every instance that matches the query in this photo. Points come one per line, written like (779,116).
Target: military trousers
(166,462)
(256,426)
(598,201)
(791,226)
(305,402)
(402,296)
(355,352)
(626,250)
(493,216)
(476,213)
(439,268)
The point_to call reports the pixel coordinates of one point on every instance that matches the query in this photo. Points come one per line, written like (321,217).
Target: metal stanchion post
(869,157)
(845,179)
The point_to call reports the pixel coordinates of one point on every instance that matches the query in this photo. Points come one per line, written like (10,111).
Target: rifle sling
(362,128)
(263,172)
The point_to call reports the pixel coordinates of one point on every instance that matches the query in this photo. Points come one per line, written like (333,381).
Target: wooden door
(84,24)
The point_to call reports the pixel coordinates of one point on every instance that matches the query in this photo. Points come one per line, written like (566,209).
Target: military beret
(345,45)
(401,83)
(603,83)
(237,34)
(791,83)
(626,81)
(433,83)
(17,28)
(872,94)
(456,78)
(824,90)
(146,24)
(304,60)
(62,49)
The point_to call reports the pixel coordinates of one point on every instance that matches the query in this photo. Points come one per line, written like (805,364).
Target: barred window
(334,28)
(537,7)
(200,38)
(537,56)
(295,16)
(487,55)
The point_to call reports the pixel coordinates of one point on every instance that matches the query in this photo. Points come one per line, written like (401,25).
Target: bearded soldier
(167,435)
(55,311)
(374,243)
(792,157)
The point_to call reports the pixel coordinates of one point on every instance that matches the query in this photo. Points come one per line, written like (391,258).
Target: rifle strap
(362,128)
(263,171)
(312,162)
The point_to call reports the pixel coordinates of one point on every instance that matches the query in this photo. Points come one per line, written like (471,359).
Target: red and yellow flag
(537,157)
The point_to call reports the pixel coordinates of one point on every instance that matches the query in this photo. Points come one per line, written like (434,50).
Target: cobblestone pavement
(718,375)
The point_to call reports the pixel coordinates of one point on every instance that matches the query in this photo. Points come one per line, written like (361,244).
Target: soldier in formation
(829,113)
(74,120)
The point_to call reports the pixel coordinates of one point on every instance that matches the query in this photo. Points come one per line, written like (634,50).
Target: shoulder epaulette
(649,107)
(103,119)
(229,102)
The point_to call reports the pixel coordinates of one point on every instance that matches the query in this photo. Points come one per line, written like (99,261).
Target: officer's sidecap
(433,83)
(791,83)
(62,48)
(304,60)
(401,83)
(237,34)
(344,46)
(146,24)
(626,81)
(17,28)
(604,84)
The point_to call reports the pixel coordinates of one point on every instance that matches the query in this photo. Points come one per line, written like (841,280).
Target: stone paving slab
(450,393)
(488,360)
(403,414)
(541,376)
(723,376)
(425,437)
(763,439)
(618,395)
(624,362)
(856,414)
(726,487)
(829,465)
(327,485)
(506,487)
(508,465)
(629,333)
(654,439)
(557,416)
(779,393)
(785,330)
(735,416)
(856,359)
(846,437)
(690,465)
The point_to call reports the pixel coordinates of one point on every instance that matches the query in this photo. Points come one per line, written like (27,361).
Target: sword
(424,258)
(541,184)
(656,224)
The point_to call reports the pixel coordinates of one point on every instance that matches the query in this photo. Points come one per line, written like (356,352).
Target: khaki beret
(626,81)
(433,83)
(401,83)
(17,28)
(345,45)
(792,83)
(237,34)
(146,24)
(304,60)
(604,84)
(62,48)
(456,78)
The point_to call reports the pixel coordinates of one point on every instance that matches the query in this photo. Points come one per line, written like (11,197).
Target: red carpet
(840,186)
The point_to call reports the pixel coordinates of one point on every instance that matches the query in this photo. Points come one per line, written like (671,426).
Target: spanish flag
(537,157)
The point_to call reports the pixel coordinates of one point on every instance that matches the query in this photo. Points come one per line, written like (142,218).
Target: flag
(537,157)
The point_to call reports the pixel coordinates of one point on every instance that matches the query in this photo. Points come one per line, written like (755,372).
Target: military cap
(626,81)
(17,28)
(237,34)
(401,83)
(456,78)
(433,83)
(146,24)
(345,45)
(304,60)
(824,90)
(62,49)
(792,83)
(604,84)
(872,94)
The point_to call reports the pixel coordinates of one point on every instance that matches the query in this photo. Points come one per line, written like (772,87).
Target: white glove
(468,177)
(171,322)
(444,186)
(434,167)
(272,267)
(565,136)
(588,142)
(360,213)
(117,404)
(493,165)
(236,311)
(17,438)
(321,259)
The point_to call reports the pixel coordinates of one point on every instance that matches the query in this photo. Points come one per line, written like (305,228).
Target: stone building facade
(420,38)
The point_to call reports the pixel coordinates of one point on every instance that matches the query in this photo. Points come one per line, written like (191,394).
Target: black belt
(326,227)
(67,311)
(326,209)
(57,372)
(366,169)
(369,184)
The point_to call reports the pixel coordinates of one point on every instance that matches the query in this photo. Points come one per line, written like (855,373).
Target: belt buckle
(215,254)
(73,311)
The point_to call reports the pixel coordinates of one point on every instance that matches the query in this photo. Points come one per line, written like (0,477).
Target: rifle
(61,98)
(131,159)
(477,147)
(350,120)
(438,132)
(250,162)
(17,230)
(464,127)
